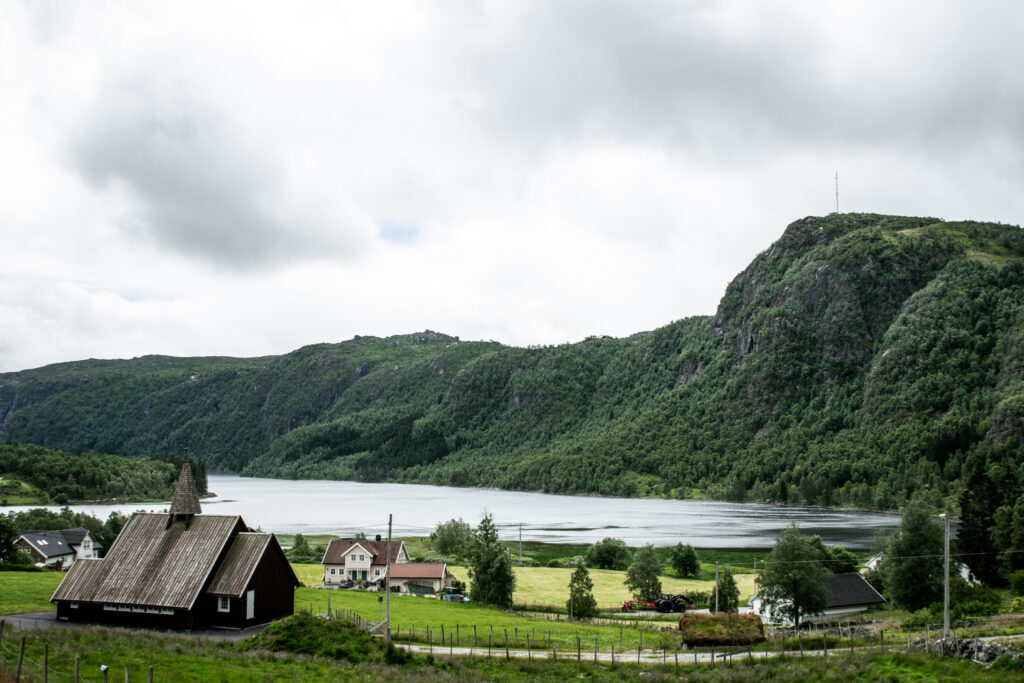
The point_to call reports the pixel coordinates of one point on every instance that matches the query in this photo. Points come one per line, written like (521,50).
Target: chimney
(378,538)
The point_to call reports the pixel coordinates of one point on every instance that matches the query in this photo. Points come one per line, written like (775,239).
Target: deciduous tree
(642,578)
(609,553)
(684,561)
(794,582)
(913,568)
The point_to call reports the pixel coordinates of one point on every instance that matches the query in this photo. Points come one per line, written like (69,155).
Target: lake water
(345,507)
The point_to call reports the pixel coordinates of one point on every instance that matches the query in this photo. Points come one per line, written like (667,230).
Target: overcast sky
(243,179)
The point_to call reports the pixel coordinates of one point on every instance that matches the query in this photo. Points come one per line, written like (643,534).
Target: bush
(305,634)
(1016,580)
(701,630)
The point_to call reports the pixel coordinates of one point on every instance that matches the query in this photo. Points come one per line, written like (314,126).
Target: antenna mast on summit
(837,191)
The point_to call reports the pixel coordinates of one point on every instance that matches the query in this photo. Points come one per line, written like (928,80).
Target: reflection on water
(345,507)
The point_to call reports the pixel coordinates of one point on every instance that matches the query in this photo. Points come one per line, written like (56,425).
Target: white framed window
(332,571)
(74,605)
(376,572)
(223,604)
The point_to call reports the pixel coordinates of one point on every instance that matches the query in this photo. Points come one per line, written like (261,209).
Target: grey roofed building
(182,570)
(58,548)
(851,590)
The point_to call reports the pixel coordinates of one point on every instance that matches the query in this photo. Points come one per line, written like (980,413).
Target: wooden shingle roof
(152,563)
(240,564)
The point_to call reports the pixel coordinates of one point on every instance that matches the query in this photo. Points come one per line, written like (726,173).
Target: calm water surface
(345,507)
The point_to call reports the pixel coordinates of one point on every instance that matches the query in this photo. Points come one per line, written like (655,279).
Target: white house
(59,548)
(848,594)
(352,559)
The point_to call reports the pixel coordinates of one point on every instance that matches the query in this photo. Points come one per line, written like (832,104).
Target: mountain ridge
(859,359)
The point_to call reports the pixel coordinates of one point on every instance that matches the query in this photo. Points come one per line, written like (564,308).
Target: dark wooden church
(182,570)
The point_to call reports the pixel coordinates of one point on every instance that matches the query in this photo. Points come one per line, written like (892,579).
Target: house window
(223,604)
(376,572)
(332,571)
(74,605)
(362,558)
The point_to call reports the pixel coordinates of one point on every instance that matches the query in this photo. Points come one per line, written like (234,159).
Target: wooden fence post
(595,649)
(126,674)
(529,655)
(506,644)
(21,658)
(150,676)
(677,656)
(458,637)
(881,639)
(77,664)
(46,662)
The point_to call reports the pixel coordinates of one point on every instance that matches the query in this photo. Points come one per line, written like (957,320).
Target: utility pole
(945,601)
(716,586)
(387,587)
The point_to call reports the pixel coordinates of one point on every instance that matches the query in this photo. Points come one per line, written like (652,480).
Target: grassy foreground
(178,658)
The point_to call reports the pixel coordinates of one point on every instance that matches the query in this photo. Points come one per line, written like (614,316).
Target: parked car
(455,597)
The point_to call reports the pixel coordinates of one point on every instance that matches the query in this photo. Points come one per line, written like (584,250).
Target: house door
(250,605)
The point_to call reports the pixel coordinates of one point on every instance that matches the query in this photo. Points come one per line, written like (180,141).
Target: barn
(181,570)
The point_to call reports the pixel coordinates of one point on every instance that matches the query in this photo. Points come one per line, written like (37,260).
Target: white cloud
(245,178)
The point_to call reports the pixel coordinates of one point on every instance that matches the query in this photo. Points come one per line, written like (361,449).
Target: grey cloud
(199,191)
(640,70)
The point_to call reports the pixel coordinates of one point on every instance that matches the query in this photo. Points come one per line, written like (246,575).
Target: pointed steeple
(186,500)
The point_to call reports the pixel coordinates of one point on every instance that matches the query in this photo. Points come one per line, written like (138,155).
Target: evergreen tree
(8,537)
(979,501)
(913,568)
(642,576)
(728,592)
(794,581)
(581,603)
(490,569)
(301,551)
(685,561)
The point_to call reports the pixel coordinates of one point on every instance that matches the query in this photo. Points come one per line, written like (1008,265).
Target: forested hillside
(49,476)
(857,360)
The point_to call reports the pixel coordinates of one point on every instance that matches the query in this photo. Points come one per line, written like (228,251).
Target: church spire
(186,500)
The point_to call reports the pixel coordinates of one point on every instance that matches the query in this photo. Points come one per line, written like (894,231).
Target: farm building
(420,578)
(58,549)
(848,594)
(181,570)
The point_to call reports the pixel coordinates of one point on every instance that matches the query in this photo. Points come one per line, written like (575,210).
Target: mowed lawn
(550,586)
(22,592)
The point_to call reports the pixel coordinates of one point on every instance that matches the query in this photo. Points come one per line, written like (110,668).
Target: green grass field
(22,592)
(549,587)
